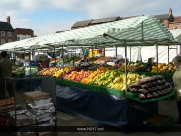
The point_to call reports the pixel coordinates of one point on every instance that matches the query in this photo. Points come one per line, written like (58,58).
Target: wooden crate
(6,105)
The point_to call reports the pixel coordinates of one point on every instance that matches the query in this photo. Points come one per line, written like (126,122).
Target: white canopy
(138,31)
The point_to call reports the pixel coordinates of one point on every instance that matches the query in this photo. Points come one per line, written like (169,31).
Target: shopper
(5,71)
(177,84)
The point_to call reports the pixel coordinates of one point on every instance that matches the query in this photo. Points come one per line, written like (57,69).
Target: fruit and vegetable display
(55,60)
(145,87)
(18,70)
(146,67)
(77,76)
(47,71)
(150,87)
(102,60)
(162,67)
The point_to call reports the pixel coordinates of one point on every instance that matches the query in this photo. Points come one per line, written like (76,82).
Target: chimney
(170,11)
(8,19)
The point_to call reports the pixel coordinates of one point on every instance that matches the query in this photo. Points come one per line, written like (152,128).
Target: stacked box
(40,113)
(40,106)
(35,96)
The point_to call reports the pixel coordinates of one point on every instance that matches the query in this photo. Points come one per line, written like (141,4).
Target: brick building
(91,22)
(23,33)
(175,23)
(168,20)
(6,32)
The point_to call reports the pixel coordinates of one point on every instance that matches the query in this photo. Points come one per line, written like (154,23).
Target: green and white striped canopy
(176,34)
(138,31)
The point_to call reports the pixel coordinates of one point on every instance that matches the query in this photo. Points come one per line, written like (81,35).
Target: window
(9,33)
(175,27)
(2,41)
(2,33)
(9,40)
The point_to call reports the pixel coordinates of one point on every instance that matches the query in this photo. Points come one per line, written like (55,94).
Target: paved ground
(166,107)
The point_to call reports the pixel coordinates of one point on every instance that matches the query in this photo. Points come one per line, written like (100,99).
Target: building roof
(130,17)
(4,26)
(104,20)
(178,18)
(82,23)
(162,16)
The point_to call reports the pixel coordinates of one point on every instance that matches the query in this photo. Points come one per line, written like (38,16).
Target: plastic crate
(159,123)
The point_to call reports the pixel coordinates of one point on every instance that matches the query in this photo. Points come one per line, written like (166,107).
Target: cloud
(50,28)
(21,10)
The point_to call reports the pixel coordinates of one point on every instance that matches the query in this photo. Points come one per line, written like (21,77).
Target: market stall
(73,96)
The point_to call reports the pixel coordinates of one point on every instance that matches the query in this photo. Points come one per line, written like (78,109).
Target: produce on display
(102,60)
(47,71)
(61,71)
(150,87)
(77,76)
(120,83)
(53,60)
(162,67)
(105,78)
(88,79)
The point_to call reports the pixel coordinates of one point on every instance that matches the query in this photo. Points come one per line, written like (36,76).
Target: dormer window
(175,27)
(2,33)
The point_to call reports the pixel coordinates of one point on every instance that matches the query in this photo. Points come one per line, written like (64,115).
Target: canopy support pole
(92,52)
(63,59)
(142,35)
(126,86)
(168,54)
(157,58)
(130,54)
(55,55)
(116,51)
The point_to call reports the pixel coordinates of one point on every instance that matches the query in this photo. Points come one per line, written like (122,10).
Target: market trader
(5,71)
(177,84)
(19,61)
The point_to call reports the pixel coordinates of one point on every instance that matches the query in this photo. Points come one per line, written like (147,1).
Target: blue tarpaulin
(98,108)
(103,109)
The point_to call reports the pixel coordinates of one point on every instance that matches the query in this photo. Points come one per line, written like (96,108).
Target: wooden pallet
(6,105)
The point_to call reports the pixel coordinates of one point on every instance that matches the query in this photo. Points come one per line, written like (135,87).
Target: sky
(48,16)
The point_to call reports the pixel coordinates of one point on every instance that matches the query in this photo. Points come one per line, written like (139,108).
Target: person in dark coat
(5,71)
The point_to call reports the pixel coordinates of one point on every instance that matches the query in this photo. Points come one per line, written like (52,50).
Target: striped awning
(176,34)
(138,31)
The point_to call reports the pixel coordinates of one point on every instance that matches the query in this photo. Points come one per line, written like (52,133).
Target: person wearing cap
(6,71)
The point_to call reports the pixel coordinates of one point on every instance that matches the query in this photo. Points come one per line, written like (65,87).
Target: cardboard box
(22,120)
(36,95)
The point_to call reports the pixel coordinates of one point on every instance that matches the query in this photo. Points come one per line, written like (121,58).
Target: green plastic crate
(131,95)
(160,123)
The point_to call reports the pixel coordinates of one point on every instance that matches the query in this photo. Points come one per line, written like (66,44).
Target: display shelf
(110,91)
(18,74)
(154,99)
(93,88)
